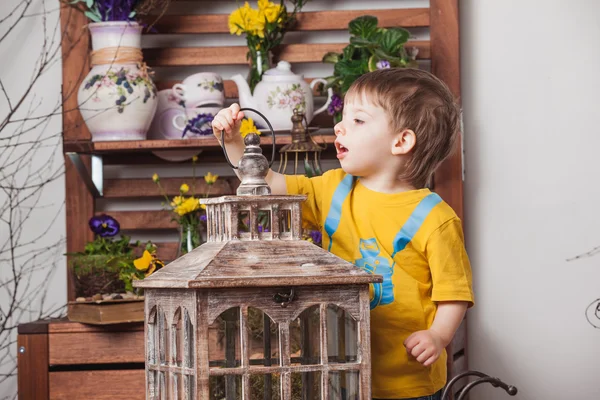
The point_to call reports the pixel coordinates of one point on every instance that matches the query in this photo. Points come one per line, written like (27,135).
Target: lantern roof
(257,263)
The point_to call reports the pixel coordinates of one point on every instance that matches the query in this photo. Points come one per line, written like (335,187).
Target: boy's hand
(426,346)
(228,120)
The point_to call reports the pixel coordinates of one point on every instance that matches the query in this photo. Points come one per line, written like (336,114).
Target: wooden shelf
(88,147)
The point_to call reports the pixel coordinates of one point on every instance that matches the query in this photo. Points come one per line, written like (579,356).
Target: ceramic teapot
(278,94)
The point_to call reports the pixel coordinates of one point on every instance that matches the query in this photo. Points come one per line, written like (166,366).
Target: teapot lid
(283,68)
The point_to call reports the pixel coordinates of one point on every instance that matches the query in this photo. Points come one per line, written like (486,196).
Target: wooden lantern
(257,312)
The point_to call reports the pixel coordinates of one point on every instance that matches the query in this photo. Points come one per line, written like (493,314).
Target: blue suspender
(414,222)
(402,238)
(335,211)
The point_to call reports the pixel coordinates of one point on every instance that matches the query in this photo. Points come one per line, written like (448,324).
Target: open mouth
(341,150)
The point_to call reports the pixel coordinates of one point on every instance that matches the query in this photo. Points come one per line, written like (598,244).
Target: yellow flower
(177,200)
(189,205)
(248,127)
(269,10)
(210,178)
(194,158)
(155,178)
(243,20)
(184,188)
(143,263)
(147,262)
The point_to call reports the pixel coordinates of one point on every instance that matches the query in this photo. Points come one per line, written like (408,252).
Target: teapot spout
(246,98)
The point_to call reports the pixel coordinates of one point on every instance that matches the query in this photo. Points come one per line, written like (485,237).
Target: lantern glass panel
(343,385)
(152,385)
(306,385)
(188,340)
(189,383)
(244,221)
(263,342)
(264,221)
(163,337)
(162,386)
(177,339)
(265,387)
(342,335)
(285,221)
(304,337)
(151,338)
(227,387)
(224,340)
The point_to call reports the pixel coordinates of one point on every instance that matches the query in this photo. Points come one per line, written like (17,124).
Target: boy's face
(364,138)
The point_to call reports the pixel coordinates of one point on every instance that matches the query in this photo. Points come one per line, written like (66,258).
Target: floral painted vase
(117,98)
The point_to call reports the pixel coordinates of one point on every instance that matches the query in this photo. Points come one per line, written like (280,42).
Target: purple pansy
(316,236)
(203,218)
(261,229)
(116,10)
(104,225)
(382,64)
(336,105)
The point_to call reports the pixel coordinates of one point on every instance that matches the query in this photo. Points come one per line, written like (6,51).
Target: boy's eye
(358,121)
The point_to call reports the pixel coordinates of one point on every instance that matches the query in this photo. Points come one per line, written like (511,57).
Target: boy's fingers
(424,356)
(240,115)
(430,360)
(235,108)
(411,341)
(229,118)
(417,350)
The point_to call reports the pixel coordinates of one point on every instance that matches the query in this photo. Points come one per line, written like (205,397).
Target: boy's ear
(404,142)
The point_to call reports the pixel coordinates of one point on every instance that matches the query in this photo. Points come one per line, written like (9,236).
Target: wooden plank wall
(193,37)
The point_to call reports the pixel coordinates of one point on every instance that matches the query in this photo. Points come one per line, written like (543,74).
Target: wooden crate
(77,361)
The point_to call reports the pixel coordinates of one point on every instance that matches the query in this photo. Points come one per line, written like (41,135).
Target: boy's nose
(338,129)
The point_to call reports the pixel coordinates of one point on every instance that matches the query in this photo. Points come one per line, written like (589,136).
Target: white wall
(530,75)
(45,228)
(530,85)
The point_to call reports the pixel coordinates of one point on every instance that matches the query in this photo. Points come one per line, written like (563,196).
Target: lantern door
(286,343)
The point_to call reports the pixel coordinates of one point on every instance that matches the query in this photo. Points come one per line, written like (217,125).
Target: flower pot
(117,98)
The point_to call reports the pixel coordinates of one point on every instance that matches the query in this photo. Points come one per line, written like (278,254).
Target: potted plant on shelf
(370,48)
(103,275)
(187,211)
(117,99)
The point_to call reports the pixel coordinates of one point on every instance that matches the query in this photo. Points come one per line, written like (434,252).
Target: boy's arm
(426,346)
(229,120)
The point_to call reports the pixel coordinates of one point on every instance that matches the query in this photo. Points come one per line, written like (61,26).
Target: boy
(398,125)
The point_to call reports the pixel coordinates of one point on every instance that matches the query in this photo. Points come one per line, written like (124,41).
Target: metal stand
(93,179)
(483,378)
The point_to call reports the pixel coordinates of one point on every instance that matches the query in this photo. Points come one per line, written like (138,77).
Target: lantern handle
(272,134)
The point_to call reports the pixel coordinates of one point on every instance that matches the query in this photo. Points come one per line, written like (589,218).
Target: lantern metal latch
(284,299)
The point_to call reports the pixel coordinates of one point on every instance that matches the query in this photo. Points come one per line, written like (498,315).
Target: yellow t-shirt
(433,266)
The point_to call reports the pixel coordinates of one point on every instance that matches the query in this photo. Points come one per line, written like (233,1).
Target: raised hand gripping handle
(272,134)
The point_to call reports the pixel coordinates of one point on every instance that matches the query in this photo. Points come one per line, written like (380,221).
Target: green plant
(370,48)
(109,265)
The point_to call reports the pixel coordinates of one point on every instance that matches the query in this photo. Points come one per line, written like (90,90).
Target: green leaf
(348,52)
(360,42)
(331,57)
(349,67)
(92,16)
(89,3)
(132,14)
(363,26)
(308,170)
(393,39)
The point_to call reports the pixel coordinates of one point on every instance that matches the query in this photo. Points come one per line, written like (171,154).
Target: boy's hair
(417,100)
